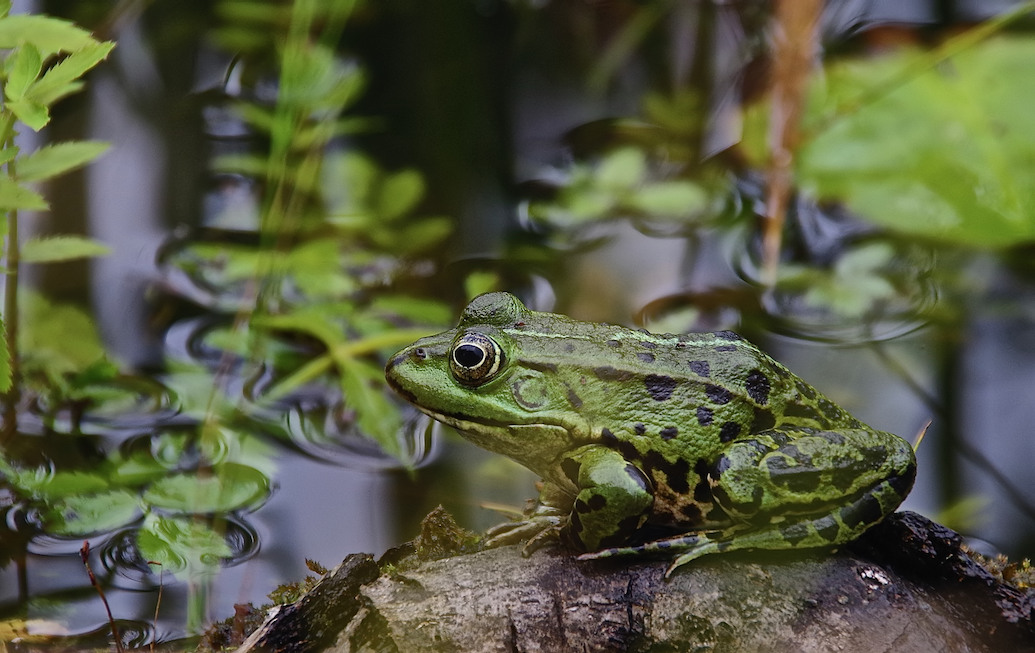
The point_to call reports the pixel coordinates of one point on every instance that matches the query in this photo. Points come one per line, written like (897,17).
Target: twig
(794,48)
(84,555)
(158,603)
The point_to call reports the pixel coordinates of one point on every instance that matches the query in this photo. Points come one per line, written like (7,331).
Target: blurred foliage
(41,61)
(930,144)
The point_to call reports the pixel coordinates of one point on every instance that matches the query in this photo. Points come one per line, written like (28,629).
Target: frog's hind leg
(794,490)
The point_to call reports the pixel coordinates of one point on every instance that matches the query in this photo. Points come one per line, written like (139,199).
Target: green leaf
(62,248)
(622,169)
(32,113)
(222,488)
(675,198)
(187,548)
(942,151)
(15,197)
(49,35)
(81,515)
(22,67)
(60,79)
(57,339)
(53,160)
(400,193)
(364,390)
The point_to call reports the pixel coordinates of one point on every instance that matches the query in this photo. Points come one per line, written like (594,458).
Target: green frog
(683,444)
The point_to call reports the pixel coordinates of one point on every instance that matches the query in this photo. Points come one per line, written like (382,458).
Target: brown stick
(794,37)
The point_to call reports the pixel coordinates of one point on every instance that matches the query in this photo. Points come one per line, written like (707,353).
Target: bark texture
(907,586)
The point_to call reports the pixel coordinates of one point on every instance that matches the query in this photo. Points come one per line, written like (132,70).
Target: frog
(678,445)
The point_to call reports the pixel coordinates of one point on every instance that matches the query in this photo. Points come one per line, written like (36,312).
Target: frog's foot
(538,530)
(692,546)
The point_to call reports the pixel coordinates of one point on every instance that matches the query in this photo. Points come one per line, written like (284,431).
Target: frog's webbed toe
(537,530)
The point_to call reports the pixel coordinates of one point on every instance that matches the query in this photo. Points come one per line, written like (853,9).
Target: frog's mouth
(525,443)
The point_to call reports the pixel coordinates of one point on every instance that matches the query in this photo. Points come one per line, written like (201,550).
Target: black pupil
(469,355)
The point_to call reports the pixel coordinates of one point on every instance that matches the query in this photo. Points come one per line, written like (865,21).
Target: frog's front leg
(599,500)
(787,489)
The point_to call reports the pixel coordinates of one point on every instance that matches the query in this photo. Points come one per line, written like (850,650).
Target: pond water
(592,158)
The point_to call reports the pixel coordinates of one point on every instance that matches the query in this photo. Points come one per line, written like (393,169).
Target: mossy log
(905,586)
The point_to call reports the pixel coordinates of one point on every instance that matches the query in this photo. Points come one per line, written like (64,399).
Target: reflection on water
(235,456)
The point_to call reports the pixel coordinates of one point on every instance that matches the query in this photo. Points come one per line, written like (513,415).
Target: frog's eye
(475,359)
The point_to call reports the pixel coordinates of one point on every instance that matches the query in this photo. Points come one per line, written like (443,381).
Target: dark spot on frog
(581,507)
(663,544)
(729,431)
(647,344)
(902,484)
(645,357)
(660,387)
(538,366)
(692,512)
(569,347)
(613,343)
(827,527)
(795,478)
(763,420)
(700,368)
(639,428)
(623,529)
(703,491)
(704,415)
(721,465)
(717,394)
(864,510)
(627,449)
(638,477)
(575,526)
(597,501)
(757,386)
(727,335)
(573,398)
(608,373)
(571,469)
(669,432)
(805,389)
(804,411)
(723,348)
(795,533)
(830,409)
(677,474)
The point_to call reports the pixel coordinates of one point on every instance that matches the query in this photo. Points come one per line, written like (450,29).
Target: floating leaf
(56,159)
(187,548)
(81,515)
(62,248)
(221,488)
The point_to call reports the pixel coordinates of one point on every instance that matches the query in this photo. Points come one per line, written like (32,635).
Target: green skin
(700,435)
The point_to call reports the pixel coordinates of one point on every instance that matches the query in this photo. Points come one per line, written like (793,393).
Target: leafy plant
(935,145)
(43,61)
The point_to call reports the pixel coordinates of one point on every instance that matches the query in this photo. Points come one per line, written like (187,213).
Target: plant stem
(12,260)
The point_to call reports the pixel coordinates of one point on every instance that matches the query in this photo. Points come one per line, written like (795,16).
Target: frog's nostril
(420,353)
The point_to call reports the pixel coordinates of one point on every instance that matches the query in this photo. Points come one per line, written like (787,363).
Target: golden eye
(475,359)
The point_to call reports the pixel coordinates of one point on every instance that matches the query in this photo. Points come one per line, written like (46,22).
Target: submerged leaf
(188,548)
(85,514)
(221,488)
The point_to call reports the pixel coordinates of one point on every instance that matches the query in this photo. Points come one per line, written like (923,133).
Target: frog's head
(475,379)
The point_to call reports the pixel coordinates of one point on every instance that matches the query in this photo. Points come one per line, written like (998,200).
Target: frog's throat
(518,441)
